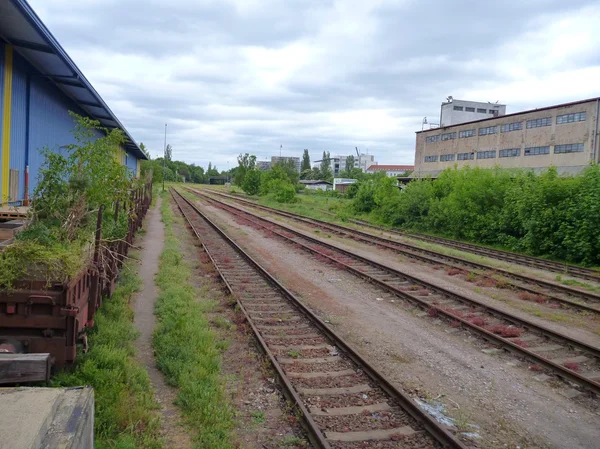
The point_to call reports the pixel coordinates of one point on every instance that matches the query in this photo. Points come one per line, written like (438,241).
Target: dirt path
(152,244)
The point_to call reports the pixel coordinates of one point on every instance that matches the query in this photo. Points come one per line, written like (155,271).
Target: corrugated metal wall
(18,126)
(1,109)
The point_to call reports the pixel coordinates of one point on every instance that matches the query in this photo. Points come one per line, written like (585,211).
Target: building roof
(573,103)
(22,28)
(313,182)
(382,167)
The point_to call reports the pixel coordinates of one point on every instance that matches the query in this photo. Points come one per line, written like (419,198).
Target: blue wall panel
(18,126)
(132,163)
(50,124)
(1,107)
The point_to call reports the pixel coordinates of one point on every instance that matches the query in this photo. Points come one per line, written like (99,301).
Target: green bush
(252,181)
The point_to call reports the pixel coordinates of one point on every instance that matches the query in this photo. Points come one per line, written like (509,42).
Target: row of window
(509,127)
(509,152)
(479,110)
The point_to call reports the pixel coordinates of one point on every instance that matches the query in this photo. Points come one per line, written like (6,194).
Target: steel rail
(401,248)
(564,372)
(439,433)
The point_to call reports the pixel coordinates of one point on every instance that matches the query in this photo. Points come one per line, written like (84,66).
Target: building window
(431,158)
(458,108)
(432,139)
(488,130)
(511,152)
(465,156)
(569,148)
(469,109)
(481,111)
(492,111)
(508,127)
(466,133)
(539,122)
(446,157)
(536,151)
(449,136)
(486,154)
(570,118)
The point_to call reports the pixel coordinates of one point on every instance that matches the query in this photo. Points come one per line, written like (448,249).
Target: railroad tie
(363,388)
(353,410)
(328,374)
(368,435)
(314,360)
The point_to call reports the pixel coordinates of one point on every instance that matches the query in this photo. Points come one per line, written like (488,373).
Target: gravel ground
(426,358)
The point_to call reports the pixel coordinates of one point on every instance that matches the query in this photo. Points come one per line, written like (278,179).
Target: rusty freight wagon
(38,316)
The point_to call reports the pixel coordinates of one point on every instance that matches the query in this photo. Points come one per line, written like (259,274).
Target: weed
(504,330)
(478,321)
(433,312)
(258,417)
(536,368)
(293,354)
(471,277)
(520,342)
(455,323)
(292,442)
(454,271)
(222,323)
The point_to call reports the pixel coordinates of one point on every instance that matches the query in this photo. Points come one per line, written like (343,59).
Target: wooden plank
(21,368)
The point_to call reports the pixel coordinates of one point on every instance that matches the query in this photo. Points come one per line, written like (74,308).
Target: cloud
(231,76)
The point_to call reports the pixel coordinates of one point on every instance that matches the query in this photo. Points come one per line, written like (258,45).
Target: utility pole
(164,157)
(280,147)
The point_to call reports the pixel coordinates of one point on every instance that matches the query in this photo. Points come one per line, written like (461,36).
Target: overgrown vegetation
(543,215)
(186,349)
(124,403)
(73,185)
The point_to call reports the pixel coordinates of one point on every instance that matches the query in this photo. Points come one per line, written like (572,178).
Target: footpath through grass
(186,348)
(125,415)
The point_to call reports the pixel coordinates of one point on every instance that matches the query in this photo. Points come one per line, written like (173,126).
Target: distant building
(364,161)
(341,184)
(316,184)
(565,136)
(338,163)
(286,159)
(263,165)
(391,170)
(455,112)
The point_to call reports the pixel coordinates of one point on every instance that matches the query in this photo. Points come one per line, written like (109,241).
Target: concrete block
(36,418)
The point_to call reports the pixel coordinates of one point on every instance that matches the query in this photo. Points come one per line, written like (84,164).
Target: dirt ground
(263,418)
(151,244)
(419,354)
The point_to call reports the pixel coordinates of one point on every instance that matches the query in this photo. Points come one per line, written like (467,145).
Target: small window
(569,148)
(446,157)
(539,122)
(486,154)
(469,109)
(449,136)
(488,130)
(537,151)
(481,111)
(466,133)
(431,158)
(458,108)
(511,152)
(508,127)
(465,156)
(571,118)
(492,111)
(432,139)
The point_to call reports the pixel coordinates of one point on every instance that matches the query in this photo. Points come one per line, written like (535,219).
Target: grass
(125,415)
(187,350)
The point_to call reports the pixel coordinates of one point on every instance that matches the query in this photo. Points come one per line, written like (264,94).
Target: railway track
(570,359)
(344,402)
(589,274)
(534,289)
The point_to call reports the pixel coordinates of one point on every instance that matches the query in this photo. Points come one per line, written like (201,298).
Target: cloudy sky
(231,76)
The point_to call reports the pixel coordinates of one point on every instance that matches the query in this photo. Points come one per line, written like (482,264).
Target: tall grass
(186,348)
(124,403)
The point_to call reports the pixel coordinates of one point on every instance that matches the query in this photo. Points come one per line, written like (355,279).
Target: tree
(326,173)
(144,150)
(252,182)
(349,163)
(246,163)
(168,153)
(289,168)
(305,161)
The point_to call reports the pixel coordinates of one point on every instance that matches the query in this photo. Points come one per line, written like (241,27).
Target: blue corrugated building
(39,85)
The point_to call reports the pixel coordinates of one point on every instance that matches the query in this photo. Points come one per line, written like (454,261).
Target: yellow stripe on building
(6,121)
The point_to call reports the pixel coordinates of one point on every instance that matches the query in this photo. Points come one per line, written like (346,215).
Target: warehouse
(564,136)
(39,85)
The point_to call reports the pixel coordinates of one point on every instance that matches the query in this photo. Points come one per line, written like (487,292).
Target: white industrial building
(455,112)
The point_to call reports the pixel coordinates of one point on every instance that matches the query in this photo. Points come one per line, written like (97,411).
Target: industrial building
(455,112)
(39,85)
(564,136)
(338,163)
(286,160)
(390,170)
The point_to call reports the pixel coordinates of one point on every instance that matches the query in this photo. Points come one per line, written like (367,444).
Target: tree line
(539,214)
